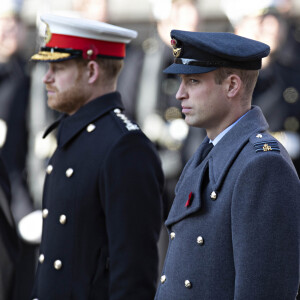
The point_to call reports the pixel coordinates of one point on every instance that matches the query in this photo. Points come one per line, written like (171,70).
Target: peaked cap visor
(187,69)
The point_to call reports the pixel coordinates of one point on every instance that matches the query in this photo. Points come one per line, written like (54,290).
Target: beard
(68,101)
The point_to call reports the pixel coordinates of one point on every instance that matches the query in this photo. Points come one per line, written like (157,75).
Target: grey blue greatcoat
(102,209)
(234,224)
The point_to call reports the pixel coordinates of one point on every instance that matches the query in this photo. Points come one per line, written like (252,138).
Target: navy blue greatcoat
(234,224)
(102,209)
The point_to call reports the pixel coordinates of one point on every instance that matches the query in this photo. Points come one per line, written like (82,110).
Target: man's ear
(233,85)
(93,71)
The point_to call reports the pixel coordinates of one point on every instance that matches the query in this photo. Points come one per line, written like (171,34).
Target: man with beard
(102,204)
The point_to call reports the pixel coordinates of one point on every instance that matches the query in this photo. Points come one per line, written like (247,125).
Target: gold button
(57,264)
(213,195)
(45,213)
(62,219)
(41,258)
(187,284)
(163,279)
(259,136)
(49,169)
(69,172)
(200,240)
(89,52)
(90,128)
(172,235)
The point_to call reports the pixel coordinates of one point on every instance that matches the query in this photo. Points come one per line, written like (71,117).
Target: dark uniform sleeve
(265,229)
(15,149)
(132,184)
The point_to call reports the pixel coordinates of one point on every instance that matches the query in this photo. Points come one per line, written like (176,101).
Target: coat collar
(69,126)
(225,152)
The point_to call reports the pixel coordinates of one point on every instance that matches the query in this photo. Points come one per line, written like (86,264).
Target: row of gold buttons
(187,283)
(62,218)
(57,264)
(69,171)
(199,240)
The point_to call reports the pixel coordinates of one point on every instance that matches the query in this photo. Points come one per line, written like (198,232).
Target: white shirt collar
(220,135)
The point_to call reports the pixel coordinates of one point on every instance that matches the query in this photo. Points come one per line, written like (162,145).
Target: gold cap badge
(176,50)
(48,34)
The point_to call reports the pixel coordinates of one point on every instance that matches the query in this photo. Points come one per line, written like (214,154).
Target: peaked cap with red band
(68,38)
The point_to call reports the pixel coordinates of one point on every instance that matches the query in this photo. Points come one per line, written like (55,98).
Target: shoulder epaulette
(264,142)
(128,124)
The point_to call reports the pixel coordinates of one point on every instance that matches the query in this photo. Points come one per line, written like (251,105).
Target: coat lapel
(188,198)
(219,161)
(188,188)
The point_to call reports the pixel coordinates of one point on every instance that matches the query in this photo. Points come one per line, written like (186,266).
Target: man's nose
(181,93)
(48,77)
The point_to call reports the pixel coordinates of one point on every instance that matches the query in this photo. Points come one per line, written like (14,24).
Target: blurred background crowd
(148,94)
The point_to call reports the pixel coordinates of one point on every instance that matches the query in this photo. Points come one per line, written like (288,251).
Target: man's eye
(194,80)
(57,67)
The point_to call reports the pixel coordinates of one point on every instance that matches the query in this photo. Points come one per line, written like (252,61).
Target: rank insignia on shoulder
(129,125)
(265,146)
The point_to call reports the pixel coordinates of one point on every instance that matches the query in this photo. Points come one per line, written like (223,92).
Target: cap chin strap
(247,65)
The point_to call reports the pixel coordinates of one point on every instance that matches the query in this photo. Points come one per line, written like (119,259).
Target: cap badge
(90,52)
(176,50)
(48,34)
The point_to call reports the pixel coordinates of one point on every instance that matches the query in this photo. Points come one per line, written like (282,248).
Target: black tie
(205,150)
